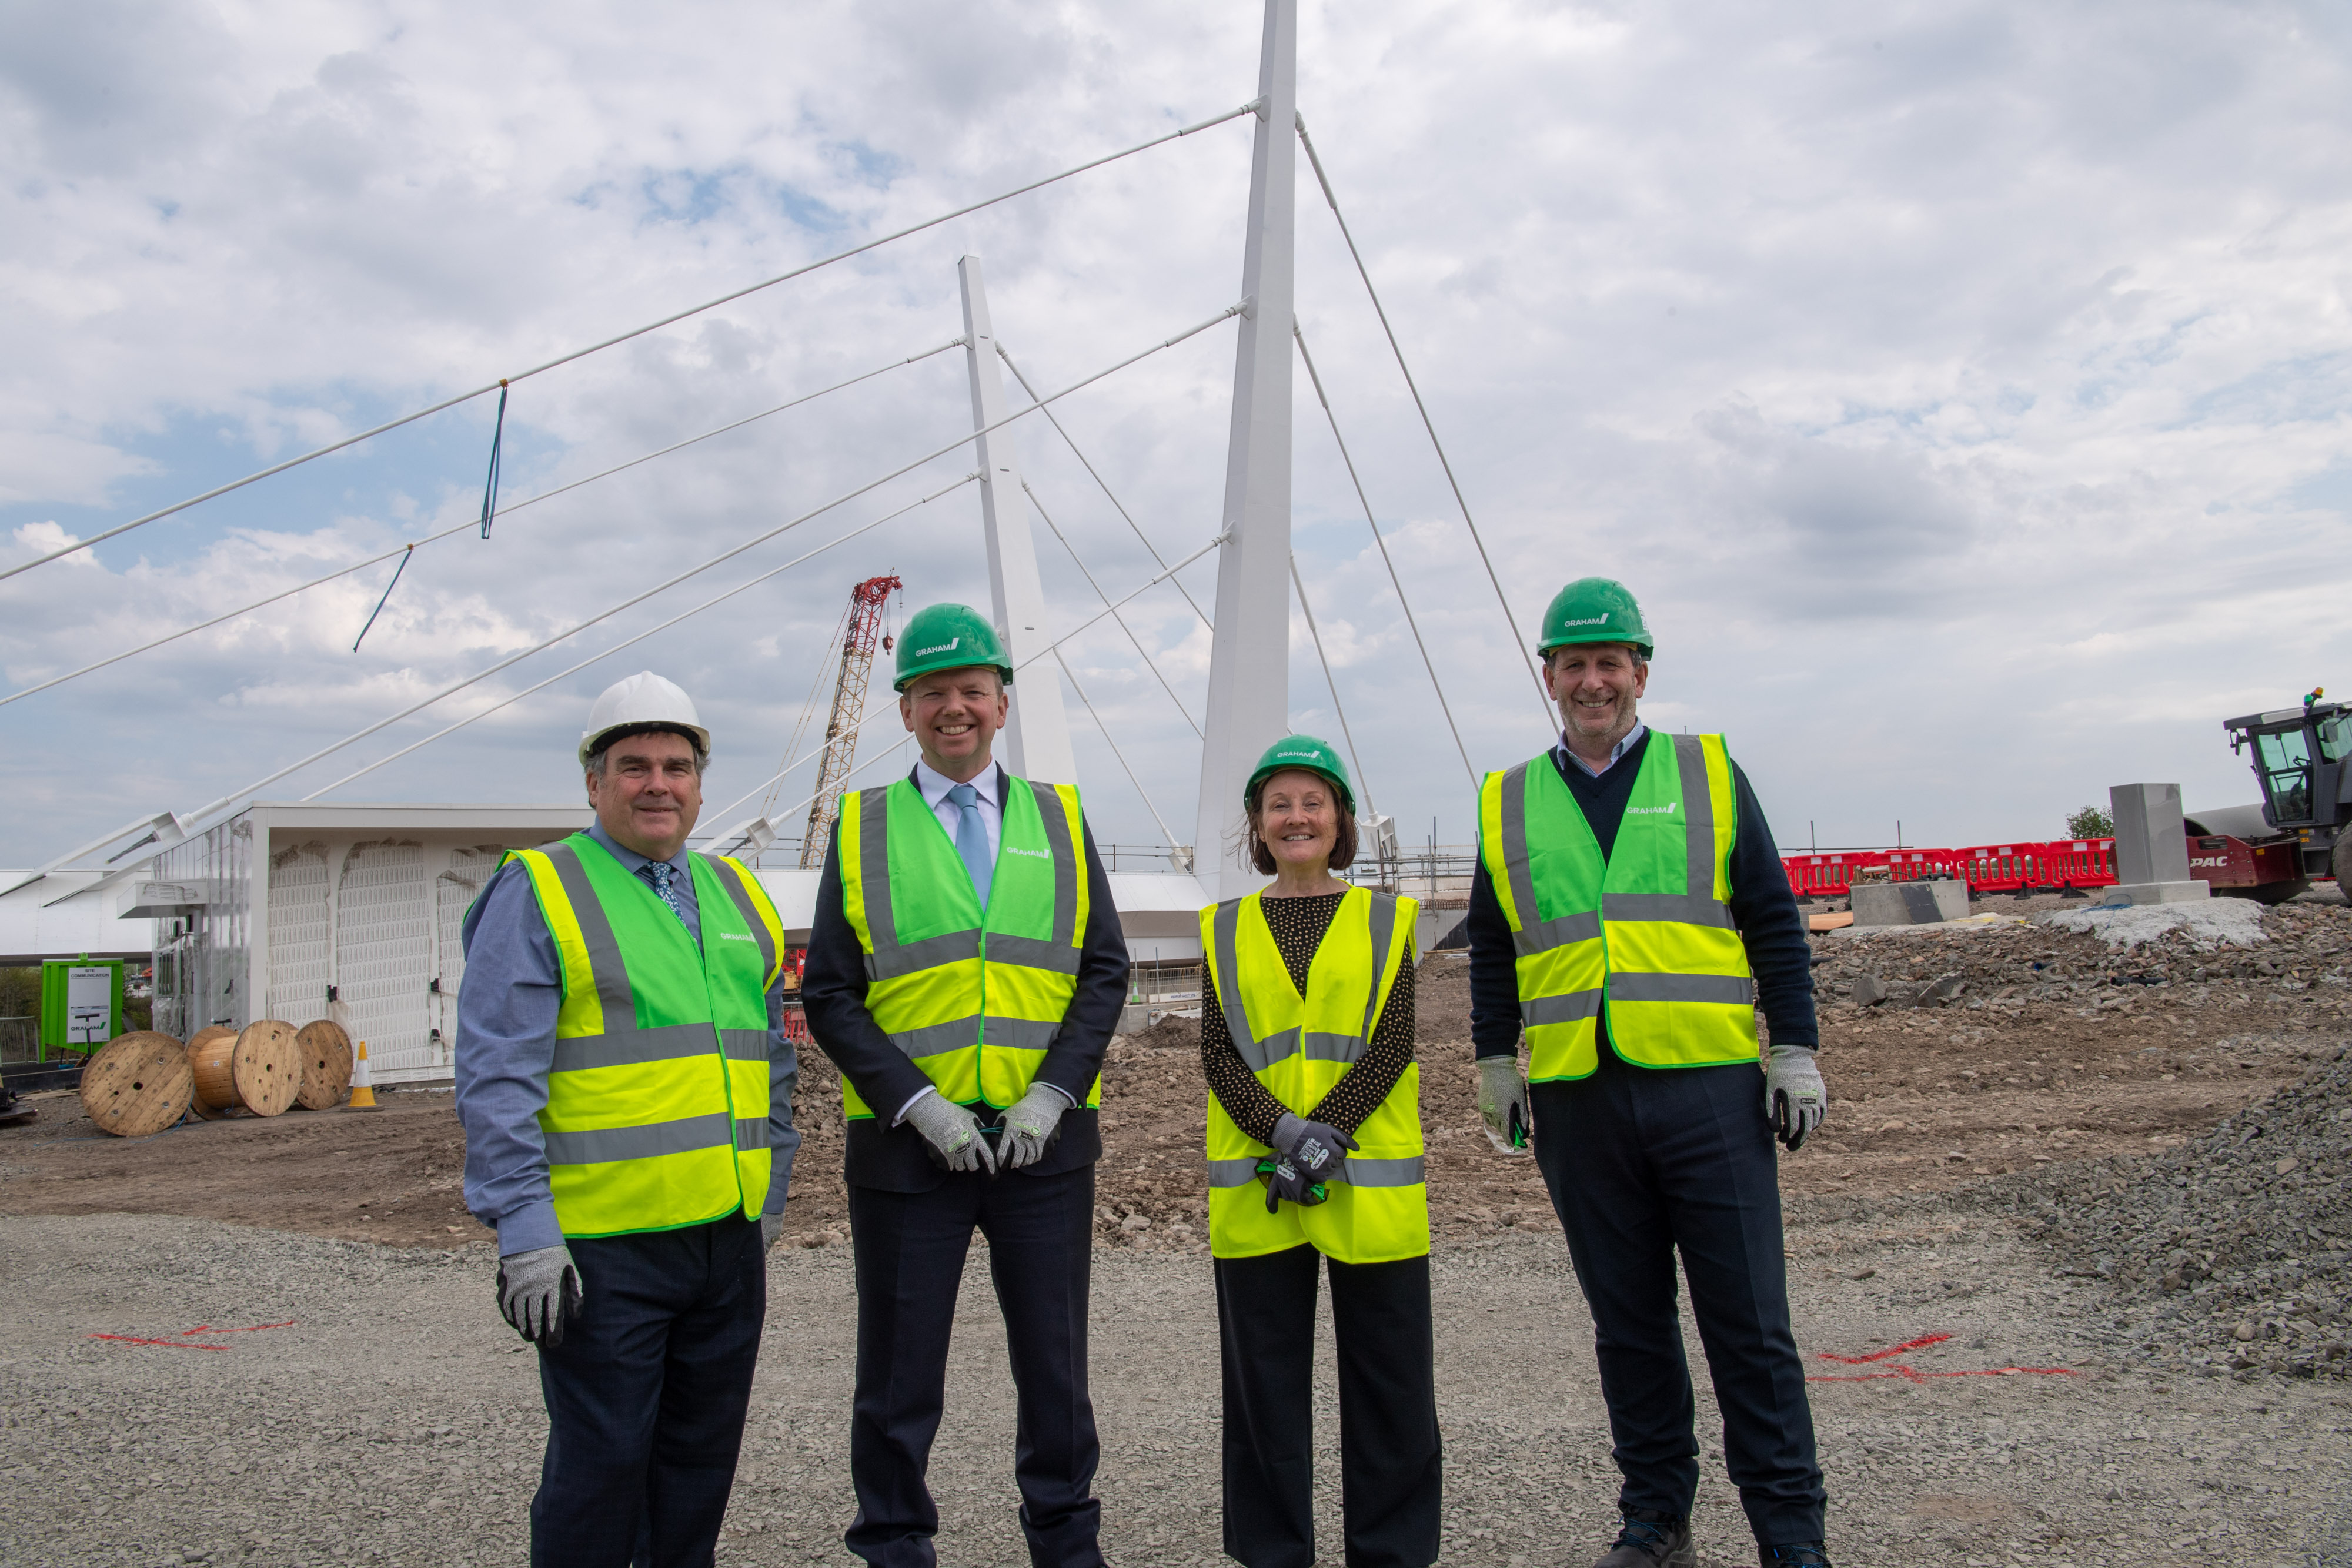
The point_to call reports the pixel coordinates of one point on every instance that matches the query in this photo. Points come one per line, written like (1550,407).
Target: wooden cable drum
(326,1064)
(139,1086)
(260,1069)
(267,1067)
(209,1054)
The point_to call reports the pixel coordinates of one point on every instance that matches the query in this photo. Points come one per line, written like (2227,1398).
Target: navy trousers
(1391,1465)
(909,1250)
(645,1397)
(1644,1162)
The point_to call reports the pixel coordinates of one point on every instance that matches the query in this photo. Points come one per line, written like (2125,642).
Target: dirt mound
(2241,1240)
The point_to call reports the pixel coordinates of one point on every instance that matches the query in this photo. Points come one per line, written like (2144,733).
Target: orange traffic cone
(362,1093)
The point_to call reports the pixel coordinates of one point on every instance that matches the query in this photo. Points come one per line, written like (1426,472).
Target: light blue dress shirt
(506,1008)
(1632,738)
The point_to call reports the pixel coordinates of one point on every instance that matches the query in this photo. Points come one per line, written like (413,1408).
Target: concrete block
(1910,903)
(2156,892)
(2152,845)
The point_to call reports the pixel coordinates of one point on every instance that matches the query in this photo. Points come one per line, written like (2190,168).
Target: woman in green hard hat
(1314,1160)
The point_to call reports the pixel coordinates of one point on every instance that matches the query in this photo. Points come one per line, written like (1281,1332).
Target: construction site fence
(2053,866)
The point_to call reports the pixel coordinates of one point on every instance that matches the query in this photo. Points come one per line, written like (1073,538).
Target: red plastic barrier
(1985,868)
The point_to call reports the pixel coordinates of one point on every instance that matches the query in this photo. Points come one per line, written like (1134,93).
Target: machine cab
(2298,756)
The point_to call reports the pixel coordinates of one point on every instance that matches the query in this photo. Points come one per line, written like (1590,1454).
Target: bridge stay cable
(1543,697)
(1087,703)
(672,319)
(1374,523)
(1140,652)
(1117,505)
(743,587)
(505,511)
(1077,631)
(207,811)
(1363,780)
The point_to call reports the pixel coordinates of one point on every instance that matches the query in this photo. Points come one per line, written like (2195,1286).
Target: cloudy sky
(1962,387)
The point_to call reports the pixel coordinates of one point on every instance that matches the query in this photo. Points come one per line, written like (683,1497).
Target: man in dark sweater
(1612,925)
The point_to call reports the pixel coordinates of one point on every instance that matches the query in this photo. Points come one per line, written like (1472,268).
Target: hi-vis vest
(657,1114)
(1645,939)
(1299,1047)
(973,997)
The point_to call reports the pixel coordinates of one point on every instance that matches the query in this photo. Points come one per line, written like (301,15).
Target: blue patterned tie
(971,840)
(663,873)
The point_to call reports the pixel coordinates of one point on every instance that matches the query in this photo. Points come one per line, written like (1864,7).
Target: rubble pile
(2118,964)
(2236,1249)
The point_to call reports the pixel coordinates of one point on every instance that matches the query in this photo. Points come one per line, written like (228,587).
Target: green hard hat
(1300,751)
(947,637)
(1594,609)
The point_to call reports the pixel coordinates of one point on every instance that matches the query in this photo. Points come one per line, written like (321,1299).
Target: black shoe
(1649,1539)
(1804,1554)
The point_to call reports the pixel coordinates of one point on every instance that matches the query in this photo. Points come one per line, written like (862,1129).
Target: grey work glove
(538,1292)
(772,1226)
(1503,1104)
(1795,1101)
(1286,1180)
(1031,1126)
(1317,1148)
(952,1134)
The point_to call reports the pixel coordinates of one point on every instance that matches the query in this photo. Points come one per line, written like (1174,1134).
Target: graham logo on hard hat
(1300,751)
(935,640)
(1594,609)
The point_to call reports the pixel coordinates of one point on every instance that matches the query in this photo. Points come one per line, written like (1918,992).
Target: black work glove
(1317,1148)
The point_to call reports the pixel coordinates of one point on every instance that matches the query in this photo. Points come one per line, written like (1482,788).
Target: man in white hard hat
(626,1088)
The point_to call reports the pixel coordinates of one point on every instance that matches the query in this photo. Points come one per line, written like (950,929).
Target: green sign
(81,1004)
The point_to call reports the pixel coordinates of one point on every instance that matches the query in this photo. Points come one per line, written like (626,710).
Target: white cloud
(1964,390)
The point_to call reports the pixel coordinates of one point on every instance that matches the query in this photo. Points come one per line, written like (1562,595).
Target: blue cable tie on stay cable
(385,600)
(490,485)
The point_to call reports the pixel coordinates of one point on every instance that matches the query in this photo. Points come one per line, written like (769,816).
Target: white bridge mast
(1038,733)
(1249,659)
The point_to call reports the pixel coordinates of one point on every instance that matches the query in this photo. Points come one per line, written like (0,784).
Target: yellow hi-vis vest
(656,1115)
(1646,938)
(1299,1047)
(974,998)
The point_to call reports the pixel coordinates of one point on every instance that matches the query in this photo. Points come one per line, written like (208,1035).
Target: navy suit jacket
(832,993)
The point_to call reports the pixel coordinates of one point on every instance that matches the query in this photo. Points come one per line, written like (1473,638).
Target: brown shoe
(1649,1539)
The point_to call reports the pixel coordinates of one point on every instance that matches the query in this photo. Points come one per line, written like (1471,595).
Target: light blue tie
(971,840)
(662,872)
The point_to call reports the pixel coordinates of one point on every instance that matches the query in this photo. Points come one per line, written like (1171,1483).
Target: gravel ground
(394,1419)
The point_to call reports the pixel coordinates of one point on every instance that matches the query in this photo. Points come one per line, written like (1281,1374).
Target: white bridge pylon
(1249,658)
(1249,642)
(1037,734)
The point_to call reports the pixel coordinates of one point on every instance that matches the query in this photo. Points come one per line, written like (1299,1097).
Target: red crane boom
(866,602)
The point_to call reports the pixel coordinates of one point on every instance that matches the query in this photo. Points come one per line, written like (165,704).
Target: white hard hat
(644,698)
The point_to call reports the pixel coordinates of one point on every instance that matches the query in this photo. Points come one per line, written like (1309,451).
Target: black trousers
(1391,1462)
(909,1250)
(645,1397)
(1644,1162)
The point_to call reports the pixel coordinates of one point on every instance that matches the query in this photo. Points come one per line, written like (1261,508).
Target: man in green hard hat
(1628,917)
(965,972)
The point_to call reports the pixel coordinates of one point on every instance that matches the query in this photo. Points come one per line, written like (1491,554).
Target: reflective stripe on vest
(974,998)
(1298,1046)
(1647,936)
(657,1114)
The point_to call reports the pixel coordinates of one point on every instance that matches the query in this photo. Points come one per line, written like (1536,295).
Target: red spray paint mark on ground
(1922,1342)
(1912,1374)
(183,1342)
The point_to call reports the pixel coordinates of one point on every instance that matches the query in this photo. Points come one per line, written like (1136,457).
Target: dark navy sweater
(1762,907)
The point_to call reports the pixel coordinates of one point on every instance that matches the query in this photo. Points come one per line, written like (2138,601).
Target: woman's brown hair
(1343,848)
